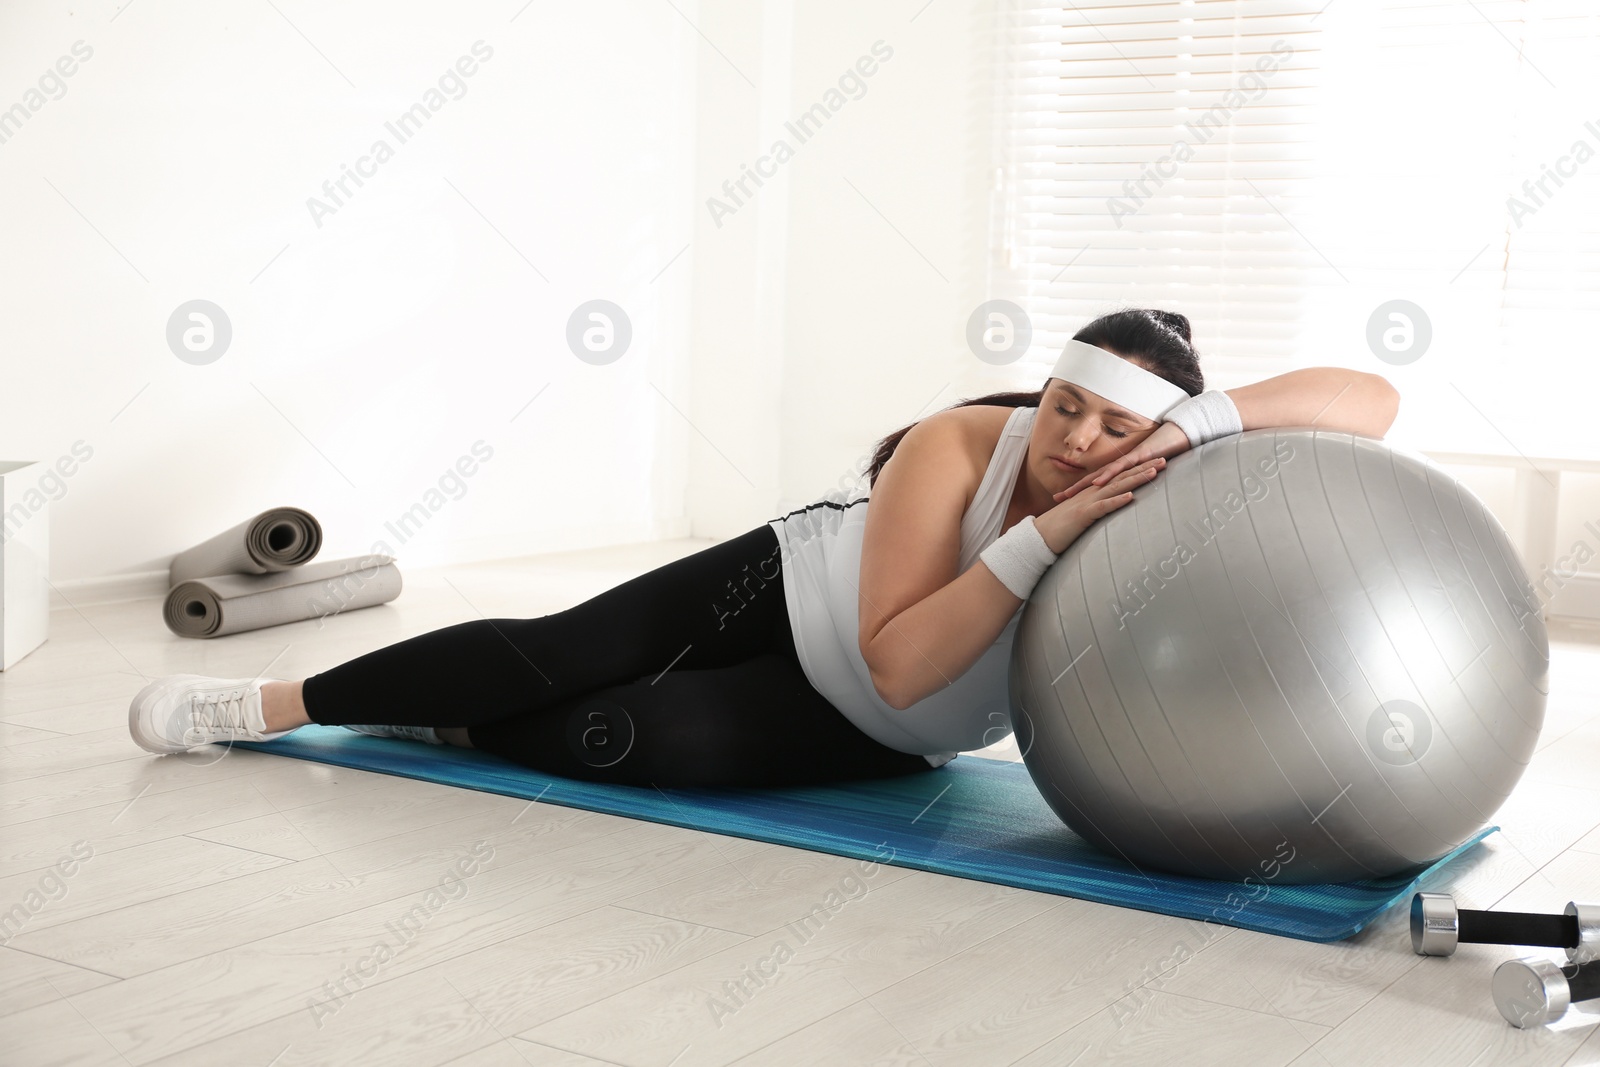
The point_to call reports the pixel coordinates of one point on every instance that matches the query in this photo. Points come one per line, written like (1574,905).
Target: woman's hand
(1166,440)
(1078,506)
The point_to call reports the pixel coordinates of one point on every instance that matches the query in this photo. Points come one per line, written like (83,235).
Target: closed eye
(1107,429)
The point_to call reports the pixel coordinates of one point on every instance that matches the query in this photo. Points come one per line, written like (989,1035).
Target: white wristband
(1206,417)
(1019,557)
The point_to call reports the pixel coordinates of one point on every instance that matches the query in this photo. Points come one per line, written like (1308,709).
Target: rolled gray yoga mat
(274,540)
(229,603)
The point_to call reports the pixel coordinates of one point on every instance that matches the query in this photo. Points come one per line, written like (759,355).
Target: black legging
(686,675)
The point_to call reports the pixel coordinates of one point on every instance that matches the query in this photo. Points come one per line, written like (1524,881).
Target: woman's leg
(713,608)
(282,706)
(756,723)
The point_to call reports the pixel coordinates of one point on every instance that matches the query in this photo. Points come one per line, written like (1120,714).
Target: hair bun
(1173,321)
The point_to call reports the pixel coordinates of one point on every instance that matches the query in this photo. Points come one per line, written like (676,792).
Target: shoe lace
(221,709)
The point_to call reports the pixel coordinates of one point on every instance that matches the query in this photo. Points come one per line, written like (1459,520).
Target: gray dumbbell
(1437,926)
(1533,991)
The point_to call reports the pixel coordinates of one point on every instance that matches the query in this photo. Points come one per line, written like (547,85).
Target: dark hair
(1156,340)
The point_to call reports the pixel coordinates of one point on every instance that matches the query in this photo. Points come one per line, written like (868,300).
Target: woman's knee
(638,741)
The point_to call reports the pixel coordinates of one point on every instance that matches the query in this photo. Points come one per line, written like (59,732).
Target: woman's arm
(1325,398)
(1328,398)
(922,626)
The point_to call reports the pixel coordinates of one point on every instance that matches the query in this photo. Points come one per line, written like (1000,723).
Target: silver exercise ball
(1295,656)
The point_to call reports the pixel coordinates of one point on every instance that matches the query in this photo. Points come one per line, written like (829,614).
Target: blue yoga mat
(973,818)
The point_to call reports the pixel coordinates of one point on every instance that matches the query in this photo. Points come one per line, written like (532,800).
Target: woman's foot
(433,735)
(184,711)
(409,733)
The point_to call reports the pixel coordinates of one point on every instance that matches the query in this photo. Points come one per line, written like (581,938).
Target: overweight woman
(836,642)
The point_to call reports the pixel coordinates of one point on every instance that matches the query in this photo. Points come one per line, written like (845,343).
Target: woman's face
(1083,429)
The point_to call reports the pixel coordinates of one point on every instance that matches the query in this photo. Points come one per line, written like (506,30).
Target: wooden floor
(238,908)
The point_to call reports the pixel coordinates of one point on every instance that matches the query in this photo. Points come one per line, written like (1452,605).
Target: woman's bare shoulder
(978,427)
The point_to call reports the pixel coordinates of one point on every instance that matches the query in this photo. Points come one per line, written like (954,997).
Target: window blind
(1551,305)
(1372,156)
(1134,131)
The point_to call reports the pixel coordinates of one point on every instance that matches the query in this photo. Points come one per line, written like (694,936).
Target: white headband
(1119,380)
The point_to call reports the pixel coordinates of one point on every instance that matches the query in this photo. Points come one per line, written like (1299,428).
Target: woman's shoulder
(978,428)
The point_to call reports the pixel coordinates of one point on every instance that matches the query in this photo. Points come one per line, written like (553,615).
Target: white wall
(371,352)
(773,345)
(739,268)
(887,228)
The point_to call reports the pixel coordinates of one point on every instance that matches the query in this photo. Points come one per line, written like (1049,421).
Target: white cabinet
(24,560)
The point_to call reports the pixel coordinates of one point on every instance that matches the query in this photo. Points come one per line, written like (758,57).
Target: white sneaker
(184,711)
(410,733)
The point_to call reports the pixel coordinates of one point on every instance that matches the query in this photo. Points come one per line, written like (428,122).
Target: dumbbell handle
(1517,928)
(1437,926)
(1583,983)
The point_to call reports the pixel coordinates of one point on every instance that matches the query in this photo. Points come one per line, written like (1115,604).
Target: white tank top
(821,552)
